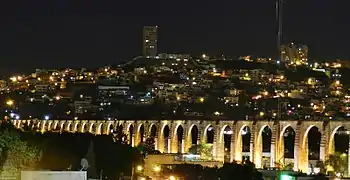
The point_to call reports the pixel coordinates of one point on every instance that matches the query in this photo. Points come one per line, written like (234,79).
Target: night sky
(87,33)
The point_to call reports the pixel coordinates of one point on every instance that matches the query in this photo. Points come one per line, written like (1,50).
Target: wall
(53,175)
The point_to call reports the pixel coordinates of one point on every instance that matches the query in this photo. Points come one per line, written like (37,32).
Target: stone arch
(153,133)
(281,147)
(259,146)
(55,125)
(76,127)
(63,126)
(100,129)
(140,135)
(178,139)
(224,143)
(109,128)
(331,140)
(84,128)
(190,135)
(164,142)
(150,131)
(92,128)
(239,143)
(49,127)
(222,132)
(205,133)
(303,153)
(69,127)
(130,134)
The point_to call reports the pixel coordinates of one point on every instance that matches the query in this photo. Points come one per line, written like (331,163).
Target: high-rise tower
(150,41)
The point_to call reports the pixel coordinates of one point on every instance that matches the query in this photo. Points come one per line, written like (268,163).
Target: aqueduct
(177,136)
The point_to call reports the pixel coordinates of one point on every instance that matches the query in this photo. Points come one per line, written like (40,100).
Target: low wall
(53,175)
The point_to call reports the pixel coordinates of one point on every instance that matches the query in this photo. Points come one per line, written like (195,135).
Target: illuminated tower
(150,41)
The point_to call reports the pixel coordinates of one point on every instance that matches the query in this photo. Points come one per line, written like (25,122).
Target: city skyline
(96,34)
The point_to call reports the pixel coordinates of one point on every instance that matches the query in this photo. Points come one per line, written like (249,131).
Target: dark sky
(91,33)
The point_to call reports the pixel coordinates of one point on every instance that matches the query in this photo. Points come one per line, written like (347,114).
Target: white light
(228,132)
(17,117)
(12,115)
(47,117)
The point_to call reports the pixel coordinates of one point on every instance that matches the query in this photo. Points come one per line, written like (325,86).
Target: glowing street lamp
(10,102)
(139,168)
(157,168)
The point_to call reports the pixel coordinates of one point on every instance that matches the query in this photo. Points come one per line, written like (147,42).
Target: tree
(148,147)
(337,163)
(205,150)
(15,154)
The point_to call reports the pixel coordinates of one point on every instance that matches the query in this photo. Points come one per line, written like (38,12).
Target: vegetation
(230,171)
(64,151)
(205,150)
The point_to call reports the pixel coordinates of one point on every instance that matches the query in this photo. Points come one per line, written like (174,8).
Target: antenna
(84,164)
(279,16)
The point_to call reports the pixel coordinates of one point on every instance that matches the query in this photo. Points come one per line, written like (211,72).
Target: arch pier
(262,142)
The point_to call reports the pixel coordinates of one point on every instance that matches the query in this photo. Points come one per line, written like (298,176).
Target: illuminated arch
(189,134)
(239,144)
(331,146)
(150,130)
(49,126)
(100,128)
(205,136)
(108,128)
(92,128)
(222,132)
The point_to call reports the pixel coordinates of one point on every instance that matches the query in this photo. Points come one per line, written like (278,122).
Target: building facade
(294,54)
(150,39)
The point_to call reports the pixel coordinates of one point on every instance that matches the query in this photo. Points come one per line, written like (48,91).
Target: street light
(10,102)
(139,168)
(156,168)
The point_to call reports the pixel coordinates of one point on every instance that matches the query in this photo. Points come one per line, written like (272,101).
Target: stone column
(275,135)
(174,146)
(217,144)
(233,141)
(160,137)
(252,145)
(296,148)
(325,143)
(199,135)
(169,140)
(349,159)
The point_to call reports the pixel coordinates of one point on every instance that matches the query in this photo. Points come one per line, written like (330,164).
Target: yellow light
(10,102)
(139,168)
(57,98)
(337,82)
(201,99)
(246,74)
(266,93)
(156,169)
(13,79)
(261,113)
(172,178)
(142,178)
(178,98)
